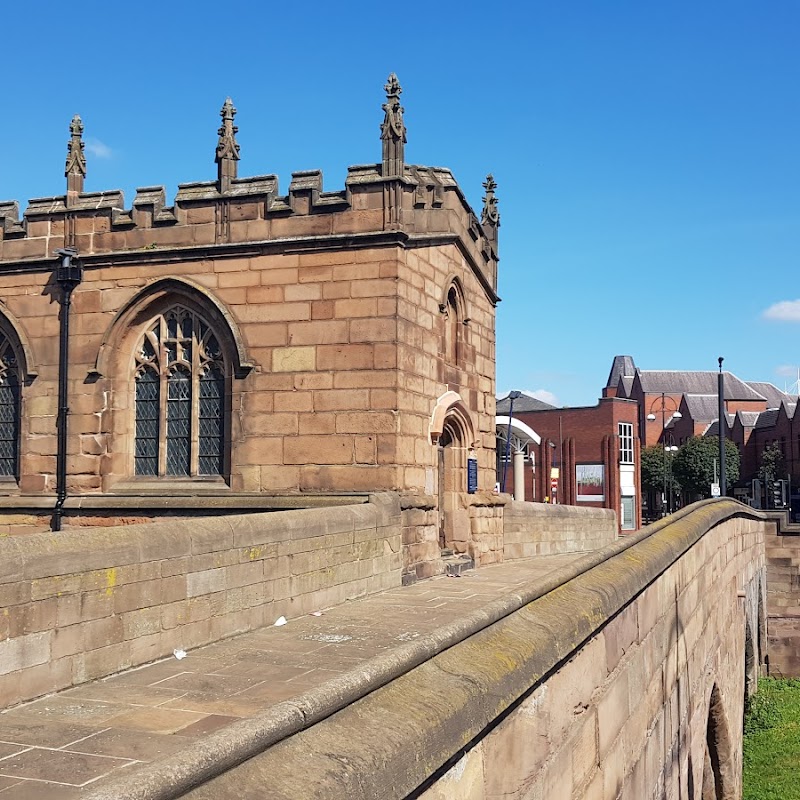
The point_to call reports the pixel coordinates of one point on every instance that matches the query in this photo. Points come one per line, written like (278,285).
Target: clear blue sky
(646,153)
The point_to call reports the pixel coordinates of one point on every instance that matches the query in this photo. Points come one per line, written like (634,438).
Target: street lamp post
(667,448)
(512,396)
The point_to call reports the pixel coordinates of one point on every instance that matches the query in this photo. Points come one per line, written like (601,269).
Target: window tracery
(9,409)
(179,398)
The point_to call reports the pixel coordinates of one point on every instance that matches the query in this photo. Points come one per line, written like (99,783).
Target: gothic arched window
(453,308)
(9,409)
(453,327)
(180,398)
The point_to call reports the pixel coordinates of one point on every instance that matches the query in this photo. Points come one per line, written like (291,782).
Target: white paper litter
(179,654)
(280,621)
(316,613)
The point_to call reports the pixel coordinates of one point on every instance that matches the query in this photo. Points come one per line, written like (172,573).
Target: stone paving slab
(67,744)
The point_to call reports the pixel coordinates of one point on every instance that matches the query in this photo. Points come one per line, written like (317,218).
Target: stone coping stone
(178,502)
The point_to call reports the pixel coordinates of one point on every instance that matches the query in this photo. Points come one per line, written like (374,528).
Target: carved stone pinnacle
(76,161)
(227,146)
(393,130)
(490,215)
(392,87)
(227,154)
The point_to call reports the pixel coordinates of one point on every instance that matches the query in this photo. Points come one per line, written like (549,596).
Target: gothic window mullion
(194,449)
(180,398)
(163,372)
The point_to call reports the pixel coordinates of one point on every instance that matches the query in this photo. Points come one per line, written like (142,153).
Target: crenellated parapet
(10,226)
(390,197)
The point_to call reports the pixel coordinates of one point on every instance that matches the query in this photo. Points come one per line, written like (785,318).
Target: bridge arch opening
(750,674)
(763,658)
(718,781)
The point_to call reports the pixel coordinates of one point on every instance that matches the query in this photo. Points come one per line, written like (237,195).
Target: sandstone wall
(626,713)
(330,319)
(424,370)
(783,601)
(83,604)
(605,686)
(500,529)
(486,527)
(422,555)
(533,529)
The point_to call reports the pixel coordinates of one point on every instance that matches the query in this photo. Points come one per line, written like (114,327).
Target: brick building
(589,454)
(758,414)
(247,348)
(660,394)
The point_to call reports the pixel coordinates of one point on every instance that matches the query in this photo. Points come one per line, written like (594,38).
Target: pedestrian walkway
(65,745)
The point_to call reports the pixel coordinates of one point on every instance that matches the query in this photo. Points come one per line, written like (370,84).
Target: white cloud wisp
(784,311)
(98,149)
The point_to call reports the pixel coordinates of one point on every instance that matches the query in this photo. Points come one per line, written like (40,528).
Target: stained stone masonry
(352,333)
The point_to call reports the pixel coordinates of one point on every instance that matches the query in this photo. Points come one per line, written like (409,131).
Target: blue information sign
(472,475)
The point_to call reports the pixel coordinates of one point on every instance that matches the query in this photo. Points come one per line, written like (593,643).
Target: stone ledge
(486,499)
(427,501)
(180,502)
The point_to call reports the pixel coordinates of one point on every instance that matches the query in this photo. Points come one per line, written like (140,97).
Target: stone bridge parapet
(624,676)
(85,603)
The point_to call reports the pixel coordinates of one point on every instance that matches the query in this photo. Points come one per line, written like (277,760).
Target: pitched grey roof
(713,428)
(624,386)
(748,418)
(702,407)
(621,367)
(527,402)
(695,382)
(771,392)
(766,419)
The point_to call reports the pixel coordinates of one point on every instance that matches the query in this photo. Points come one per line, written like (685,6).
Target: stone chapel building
(247,349)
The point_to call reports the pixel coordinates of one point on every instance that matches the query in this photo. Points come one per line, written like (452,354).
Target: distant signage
(472,475)
(715,490)
(590,480)
(553,485)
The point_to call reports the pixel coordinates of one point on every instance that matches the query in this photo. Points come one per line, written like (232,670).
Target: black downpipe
(69,274)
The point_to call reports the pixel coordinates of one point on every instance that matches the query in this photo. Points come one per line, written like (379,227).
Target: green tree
(694,464)
(653,462)
(772,466)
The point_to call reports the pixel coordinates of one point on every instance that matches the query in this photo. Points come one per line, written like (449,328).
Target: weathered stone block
(25,651)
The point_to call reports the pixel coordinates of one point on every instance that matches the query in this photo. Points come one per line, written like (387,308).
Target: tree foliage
(772,466)
(694,464)
(653,462)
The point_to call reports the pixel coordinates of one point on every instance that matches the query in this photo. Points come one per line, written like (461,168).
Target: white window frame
(625,431)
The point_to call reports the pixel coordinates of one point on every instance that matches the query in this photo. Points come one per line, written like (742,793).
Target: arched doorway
(453,435)
(452,452)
